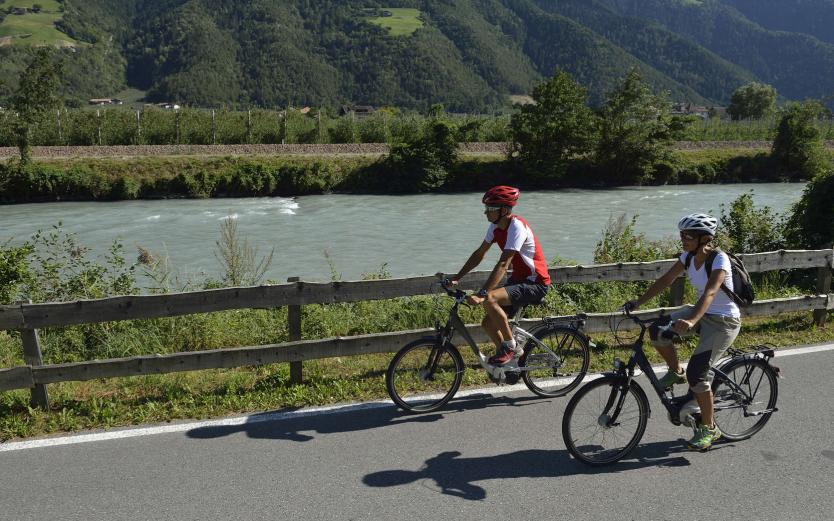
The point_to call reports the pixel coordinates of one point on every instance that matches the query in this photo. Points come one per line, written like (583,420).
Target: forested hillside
(467,54)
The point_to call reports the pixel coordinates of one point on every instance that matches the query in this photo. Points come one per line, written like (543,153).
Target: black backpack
(743,293)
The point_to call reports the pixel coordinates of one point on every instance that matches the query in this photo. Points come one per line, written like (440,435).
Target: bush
(746,229)
(811,224)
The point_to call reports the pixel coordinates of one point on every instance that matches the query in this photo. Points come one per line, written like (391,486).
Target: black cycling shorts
(523,293)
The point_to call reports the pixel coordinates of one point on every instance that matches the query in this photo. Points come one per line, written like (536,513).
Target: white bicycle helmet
(699,222)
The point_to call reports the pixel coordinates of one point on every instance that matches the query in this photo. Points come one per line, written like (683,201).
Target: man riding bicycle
(715,317)
(529,281)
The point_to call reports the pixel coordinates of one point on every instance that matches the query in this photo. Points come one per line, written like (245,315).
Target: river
(356,234)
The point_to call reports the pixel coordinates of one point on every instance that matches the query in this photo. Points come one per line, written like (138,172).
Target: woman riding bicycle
(529,281)
(715,317)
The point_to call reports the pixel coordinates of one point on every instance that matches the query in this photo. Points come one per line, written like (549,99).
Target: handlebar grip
(667,332)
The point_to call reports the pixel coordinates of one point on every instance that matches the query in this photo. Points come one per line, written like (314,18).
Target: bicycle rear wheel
(739,417)
(587,427)
(558,371)
(423,376)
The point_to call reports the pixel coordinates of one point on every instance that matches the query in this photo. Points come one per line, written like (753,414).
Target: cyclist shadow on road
(455,476)
(358,418)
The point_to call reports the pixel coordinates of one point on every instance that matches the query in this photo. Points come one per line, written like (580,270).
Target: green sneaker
(704,437)
(671,378)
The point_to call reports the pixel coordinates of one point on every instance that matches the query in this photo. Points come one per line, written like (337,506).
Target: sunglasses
(688,237)
(492,208)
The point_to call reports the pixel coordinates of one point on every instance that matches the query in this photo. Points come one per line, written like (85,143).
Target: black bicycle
(426,373)
(605,420)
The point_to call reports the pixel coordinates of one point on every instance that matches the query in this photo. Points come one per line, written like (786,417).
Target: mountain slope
(467,54)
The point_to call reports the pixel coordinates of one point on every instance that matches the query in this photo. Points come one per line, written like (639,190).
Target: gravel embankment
(317,150)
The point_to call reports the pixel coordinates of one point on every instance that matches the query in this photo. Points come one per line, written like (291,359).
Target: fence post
(823,287)
(676,292)
(60,133)
(213,128)
(294,328)
(32,356)
(248,126)
(138,128)
(98,118)
(177,123)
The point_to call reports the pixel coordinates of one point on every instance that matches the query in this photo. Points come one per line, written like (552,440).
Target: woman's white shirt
(721,304)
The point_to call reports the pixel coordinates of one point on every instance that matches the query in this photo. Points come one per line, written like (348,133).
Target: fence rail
(29,317)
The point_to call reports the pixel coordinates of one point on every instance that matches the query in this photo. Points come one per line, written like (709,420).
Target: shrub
(746,229)
(811,224)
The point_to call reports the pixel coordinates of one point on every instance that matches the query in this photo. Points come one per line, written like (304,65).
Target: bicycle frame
(498,373)
(674,404)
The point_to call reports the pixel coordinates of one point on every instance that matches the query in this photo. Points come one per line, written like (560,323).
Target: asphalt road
(483,457)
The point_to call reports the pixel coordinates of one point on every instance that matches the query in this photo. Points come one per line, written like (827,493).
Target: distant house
(105,101)
(690,109)
(304,110)
(360,111)
(168,106)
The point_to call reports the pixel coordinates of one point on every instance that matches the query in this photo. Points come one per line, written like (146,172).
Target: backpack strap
(708,264)
(710,259)
(688,260)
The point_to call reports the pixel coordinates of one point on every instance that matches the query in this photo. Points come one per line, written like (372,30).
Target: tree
(798,148)
(754,100)
(557,127)
(37,94)
(635,132)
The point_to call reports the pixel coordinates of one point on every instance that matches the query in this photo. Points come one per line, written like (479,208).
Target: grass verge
(103,404)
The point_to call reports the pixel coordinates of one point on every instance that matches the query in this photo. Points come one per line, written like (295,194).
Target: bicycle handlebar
(457,293)
(664,331)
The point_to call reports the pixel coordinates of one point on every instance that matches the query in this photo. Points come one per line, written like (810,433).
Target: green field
(34,28)
(402,21)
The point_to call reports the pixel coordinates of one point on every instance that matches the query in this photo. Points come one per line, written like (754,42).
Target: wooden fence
(28,317)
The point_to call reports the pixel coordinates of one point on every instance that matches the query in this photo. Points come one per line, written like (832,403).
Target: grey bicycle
(426,373)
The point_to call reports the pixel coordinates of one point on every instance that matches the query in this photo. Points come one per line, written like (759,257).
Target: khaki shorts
(716,333)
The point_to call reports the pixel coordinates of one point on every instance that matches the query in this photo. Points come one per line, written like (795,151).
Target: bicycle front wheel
(423,376)
(604,422)
(740,415)
(557,365)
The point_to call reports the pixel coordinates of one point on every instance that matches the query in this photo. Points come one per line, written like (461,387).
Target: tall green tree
(557,127)
(798,150)
(37,94)
(751,101)
(635,132)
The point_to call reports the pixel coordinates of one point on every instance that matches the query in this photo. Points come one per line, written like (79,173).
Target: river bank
(194,176)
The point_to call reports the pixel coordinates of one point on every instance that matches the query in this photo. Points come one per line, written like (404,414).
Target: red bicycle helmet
(501,196)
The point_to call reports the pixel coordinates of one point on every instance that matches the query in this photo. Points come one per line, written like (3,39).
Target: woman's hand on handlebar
(630,306)
(681,326)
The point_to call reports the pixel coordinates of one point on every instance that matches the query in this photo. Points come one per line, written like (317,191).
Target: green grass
(34,28)
(213,393)
(403,21)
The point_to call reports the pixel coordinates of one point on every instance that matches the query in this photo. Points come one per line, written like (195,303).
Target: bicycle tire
(567,343)
(593,402)
(756,377)
(413,389)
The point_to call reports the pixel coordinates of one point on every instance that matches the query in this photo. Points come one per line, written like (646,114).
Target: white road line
(310,411)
